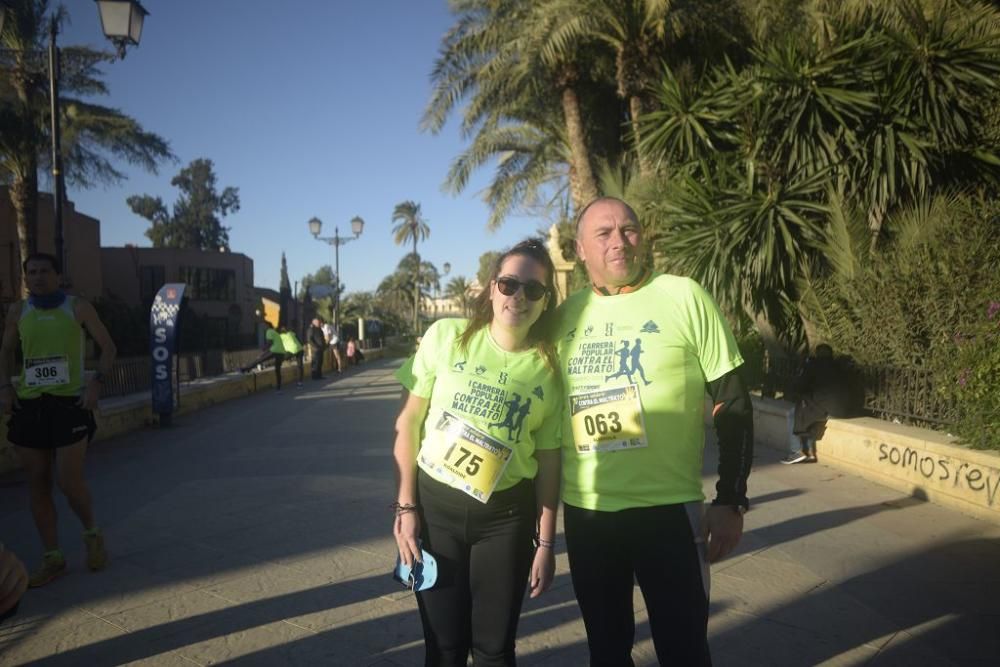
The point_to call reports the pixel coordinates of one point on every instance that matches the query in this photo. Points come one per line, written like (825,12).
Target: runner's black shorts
(49,422)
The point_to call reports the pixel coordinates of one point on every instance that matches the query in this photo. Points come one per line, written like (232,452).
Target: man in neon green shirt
(293,349)
(51,410)
(638,350)
(274,349)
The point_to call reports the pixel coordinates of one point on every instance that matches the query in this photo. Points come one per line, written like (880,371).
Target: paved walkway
(257,532)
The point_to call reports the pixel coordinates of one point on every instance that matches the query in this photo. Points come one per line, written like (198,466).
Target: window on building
(206,284)
(151,279)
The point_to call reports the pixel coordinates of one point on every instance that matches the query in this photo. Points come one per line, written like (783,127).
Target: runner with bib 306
(51,407)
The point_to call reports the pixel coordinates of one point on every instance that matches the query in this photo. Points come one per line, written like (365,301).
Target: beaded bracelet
(543,543)
(402,508)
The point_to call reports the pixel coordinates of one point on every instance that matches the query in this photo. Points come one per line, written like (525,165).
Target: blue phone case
(421,577)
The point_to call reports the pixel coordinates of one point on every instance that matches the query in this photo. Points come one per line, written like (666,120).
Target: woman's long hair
(539,333)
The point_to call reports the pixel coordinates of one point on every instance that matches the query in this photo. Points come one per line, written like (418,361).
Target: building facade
(81,242)
(219,290)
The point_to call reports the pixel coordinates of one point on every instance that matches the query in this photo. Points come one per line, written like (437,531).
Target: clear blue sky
(310,108)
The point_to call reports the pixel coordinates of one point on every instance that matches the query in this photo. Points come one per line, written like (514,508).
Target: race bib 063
(607,420)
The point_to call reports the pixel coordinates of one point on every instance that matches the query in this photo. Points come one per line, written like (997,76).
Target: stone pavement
(258,532)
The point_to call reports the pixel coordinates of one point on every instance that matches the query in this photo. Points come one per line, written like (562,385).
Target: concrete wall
(924,463)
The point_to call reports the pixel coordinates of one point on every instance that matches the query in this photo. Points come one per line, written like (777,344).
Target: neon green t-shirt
(290,342)
(485,402)
(53,345)
(636,366)
(275,338)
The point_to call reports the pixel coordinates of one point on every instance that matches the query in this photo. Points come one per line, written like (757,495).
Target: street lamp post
(121,21)
(357,226)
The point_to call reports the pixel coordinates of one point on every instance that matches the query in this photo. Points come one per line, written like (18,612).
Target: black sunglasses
(533,289)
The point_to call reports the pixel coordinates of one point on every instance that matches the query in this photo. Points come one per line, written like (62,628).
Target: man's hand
(723,530)
(8,400)
(88,401)
(13,580)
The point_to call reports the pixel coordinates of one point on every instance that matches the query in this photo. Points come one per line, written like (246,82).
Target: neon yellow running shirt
(506,404)
(290,343)
(53,345)
(275,338)
(636,366)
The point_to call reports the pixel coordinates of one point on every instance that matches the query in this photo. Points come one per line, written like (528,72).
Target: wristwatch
(740,508)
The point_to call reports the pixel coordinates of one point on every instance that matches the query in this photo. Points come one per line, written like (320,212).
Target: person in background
(333,340)
(823,390)
(317,348)
(354,355)
(293,349)
(272,349)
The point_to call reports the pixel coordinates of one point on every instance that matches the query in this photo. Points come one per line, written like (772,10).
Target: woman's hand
(406,529)
(543,570)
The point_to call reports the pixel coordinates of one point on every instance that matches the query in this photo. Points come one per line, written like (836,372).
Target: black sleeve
(733,417)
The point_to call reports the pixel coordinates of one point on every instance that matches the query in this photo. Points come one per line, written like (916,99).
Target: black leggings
(656,546)
(484,555)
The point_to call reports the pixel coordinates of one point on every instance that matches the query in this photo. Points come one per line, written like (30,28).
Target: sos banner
(163,345)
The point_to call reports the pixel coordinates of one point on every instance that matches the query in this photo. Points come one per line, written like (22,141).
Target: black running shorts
(49,422)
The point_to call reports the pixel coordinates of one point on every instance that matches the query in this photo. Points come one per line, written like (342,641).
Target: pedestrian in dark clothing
(823,389)
(317,347)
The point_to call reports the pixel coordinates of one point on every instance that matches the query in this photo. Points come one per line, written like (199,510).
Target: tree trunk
(636,110)
(586,187)
(876,216)
(416,287)
(24,182)
(24,199)
(629,65)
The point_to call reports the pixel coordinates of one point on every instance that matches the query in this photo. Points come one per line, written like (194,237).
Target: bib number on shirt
(46,371)
(464,458)
(607,420)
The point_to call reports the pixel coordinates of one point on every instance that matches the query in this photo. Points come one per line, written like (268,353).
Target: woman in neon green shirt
(477,458)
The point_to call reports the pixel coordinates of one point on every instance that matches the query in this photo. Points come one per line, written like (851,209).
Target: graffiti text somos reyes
(942,469)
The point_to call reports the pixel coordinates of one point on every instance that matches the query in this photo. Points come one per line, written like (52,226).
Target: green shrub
(927,300)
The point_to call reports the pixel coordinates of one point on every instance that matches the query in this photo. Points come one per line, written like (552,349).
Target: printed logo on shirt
(650,327)
(480,369)
(571,334)
(503,377)
(610,359)
(459,367)
(505,410)
(537,391)
(589,330)
(609,328)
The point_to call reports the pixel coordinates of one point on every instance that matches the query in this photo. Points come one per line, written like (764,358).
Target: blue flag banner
(163,344)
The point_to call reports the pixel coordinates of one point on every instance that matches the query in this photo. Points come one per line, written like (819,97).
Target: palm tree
(491,57)
(411,227)
(90,132)
(641,34)
(458,291)
(878,113)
